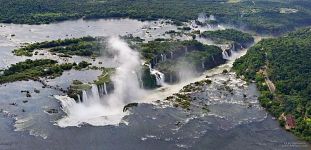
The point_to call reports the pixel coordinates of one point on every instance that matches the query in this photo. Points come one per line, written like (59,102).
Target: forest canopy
(263,16)
(287,62)
(230,35)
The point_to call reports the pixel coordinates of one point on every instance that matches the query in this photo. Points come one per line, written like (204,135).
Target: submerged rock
(178,123)
(28,95)
(225,71)
(52,111)
(36,90)
(25,91)
(13,104)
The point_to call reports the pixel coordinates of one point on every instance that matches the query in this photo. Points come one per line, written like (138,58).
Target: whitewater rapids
(126,91)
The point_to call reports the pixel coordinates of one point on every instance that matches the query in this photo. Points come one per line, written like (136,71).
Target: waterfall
(214,59)
(203,65)
(211,17)
(105,89)
(209,27)
(225,54)
(172,55)
(159,75)
(109,111)
(154,61)
(140,80)
(186,50)
(163,57)
(100,90)
(90,96)
(79,98)
(84,96)
(95,93)
(160,78)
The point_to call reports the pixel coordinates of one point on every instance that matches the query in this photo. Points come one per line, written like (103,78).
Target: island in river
(211,108)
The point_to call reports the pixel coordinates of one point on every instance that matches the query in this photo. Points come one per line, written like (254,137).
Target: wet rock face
(128,106)
(75,91)
(180,52)
(211,62)
(149,81)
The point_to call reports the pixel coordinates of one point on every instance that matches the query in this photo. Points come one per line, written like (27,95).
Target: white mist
(108,110)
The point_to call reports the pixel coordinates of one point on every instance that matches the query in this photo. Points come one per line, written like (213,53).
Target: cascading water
(97,111)
(84,96)
(159,75)
(211,17)
(79,98)
(225,54)
(95,93)
(105,89)
(140,80)
(203,65)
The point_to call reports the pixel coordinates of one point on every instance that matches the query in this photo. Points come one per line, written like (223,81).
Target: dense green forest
(287,63)
(153,48)
(33,69)
(264,16)
(242,38)
(85,46)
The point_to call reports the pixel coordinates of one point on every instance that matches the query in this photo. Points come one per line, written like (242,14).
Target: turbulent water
(108,110)
(234,121)
(159,76)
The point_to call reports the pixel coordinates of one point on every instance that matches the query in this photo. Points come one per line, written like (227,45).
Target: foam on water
(98,111)
(94,114)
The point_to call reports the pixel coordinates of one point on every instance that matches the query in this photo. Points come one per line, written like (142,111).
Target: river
(230,124)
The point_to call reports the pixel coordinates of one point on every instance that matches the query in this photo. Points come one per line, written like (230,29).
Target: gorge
(143,96)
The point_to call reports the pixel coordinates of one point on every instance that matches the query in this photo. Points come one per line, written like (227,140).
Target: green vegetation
(85,46)
(76,88)
(197,54)
(229,35)
(33,69)
(263,16)
(154,48)
(76,84)
(105,76)
(196,86)
(286,62)
(186,54)
(81,65)
(182,100)
(149,80)
(208,53)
